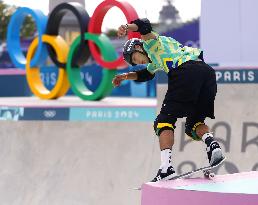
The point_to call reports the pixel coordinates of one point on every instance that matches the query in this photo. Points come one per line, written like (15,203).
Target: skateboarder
(191,89)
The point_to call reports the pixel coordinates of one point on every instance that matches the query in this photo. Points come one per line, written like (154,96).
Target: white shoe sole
(216,156)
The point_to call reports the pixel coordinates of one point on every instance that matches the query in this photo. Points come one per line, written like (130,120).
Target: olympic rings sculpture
(48,43)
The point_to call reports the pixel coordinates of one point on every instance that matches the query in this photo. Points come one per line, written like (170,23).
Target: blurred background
(70,151)
(165,16)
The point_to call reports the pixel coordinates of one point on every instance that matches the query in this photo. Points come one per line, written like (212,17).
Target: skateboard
(207,172)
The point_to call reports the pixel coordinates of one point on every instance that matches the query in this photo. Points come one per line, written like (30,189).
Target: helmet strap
(144,53)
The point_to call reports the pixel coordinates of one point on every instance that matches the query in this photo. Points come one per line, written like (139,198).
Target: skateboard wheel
(211,175)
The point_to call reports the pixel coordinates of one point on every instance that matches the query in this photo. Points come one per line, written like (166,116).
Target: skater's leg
(164,127)
(198,130)
(203,132)
(166,139)
(214,151)
(202,129)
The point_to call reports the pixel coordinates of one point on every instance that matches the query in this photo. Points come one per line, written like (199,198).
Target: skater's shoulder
(150,38)
(158,39)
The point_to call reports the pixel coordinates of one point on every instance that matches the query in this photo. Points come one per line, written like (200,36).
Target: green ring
(78,86)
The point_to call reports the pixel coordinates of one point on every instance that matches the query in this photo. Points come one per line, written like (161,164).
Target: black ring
(54,20)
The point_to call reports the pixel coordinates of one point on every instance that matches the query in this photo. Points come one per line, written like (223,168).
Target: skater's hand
(118,79)
(122,30)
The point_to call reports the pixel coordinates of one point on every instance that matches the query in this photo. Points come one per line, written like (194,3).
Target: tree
(28,29)
(111,33)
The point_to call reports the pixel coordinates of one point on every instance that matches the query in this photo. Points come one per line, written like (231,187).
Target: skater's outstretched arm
(140,25)
(138,76)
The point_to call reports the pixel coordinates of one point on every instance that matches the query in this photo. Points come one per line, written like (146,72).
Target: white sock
(166,155)
(206,138)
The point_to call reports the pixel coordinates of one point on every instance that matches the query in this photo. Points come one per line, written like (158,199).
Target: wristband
(126,29)
(125,76)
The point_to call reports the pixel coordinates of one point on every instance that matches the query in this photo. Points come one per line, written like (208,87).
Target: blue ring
(13,37)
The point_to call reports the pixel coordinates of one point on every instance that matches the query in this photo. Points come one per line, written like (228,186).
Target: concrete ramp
(75,163)
(237,189)
(73,152)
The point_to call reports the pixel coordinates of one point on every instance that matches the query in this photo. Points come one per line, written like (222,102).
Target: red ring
(95,27)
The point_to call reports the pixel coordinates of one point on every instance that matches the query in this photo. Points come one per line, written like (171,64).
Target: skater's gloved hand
(118,79)
(122,30)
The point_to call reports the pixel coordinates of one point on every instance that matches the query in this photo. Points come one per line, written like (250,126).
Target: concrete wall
(80,163)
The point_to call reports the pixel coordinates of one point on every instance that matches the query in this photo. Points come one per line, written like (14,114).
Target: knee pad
(164,122)
(163,126)
(191,130)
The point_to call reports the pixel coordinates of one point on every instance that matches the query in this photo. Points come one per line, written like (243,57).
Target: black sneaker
(214,153)
(165,176)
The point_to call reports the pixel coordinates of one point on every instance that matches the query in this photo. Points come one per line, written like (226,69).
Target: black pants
(191,93)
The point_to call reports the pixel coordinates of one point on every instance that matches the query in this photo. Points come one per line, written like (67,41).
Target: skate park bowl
(237,189)
(70,151)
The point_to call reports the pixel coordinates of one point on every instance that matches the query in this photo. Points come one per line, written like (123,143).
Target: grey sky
(188,9)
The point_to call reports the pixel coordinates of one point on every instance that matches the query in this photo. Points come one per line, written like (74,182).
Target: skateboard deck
(207,172)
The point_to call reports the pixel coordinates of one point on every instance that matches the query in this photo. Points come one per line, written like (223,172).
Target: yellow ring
(33,74)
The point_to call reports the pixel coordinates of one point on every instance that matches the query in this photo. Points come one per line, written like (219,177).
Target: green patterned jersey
(166,53)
